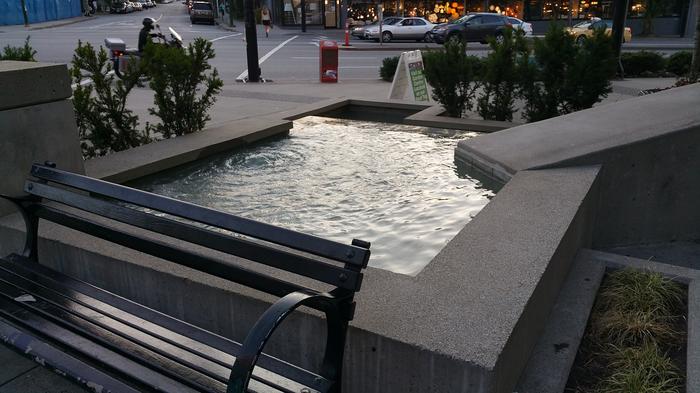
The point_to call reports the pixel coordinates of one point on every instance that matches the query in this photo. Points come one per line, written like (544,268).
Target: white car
(521,25)
(406,29)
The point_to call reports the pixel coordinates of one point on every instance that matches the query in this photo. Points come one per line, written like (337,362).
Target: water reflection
(394,185)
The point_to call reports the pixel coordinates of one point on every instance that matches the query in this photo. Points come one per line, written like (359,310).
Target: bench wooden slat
(27,278)
(275,257)
(15,313)
(168,252)
(42,311)
(296,240)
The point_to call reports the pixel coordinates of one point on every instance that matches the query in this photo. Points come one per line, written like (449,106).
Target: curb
(71,22)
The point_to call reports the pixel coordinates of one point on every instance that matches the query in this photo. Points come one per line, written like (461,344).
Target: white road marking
(267,56)
(342,58)
(103,25)
(226,36)
(359,66)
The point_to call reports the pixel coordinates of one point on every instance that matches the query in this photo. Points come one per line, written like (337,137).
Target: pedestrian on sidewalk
(266,20)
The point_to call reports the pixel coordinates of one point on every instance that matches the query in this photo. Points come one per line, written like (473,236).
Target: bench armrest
(271,319)
(31,223)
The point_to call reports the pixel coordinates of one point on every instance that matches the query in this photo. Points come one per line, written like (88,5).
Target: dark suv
(202,11)
(471,28)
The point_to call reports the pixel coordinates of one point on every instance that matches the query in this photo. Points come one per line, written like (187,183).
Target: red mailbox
(328,61)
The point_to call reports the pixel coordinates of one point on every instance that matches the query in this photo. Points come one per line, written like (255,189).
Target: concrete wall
(466,323)
(37,123)
(649,148)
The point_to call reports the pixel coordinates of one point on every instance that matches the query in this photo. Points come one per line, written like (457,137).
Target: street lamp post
(251,40)
(303,16)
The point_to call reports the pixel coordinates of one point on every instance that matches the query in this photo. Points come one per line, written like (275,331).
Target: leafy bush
(564,77)
(451,74)
(177,77)
(640,63)
(589,73)
(104,123)
(23,53)
(388,68)
(543,80)
(499,77)
(679,63)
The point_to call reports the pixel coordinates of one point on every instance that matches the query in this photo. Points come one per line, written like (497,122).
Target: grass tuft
(642,369)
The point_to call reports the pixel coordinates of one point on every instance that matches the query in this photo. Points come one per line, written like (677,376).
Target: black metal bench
(108,342)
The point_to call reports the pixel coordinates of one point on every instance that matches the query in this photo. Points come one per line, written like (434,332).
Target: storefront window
(292,12)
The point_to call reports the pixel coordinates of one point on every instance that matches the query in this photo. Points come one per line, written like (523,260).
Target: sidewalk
(51,23)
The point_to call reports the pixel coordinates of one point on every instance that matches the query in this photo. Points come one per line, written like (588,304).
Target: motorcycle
(124,58)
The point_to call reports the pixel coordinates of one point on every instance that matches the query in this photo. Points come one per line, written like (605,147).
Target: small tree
(104,123)
(177,77)
(543,79)
(451,74)
(20,53)
(500,78)
(589,73)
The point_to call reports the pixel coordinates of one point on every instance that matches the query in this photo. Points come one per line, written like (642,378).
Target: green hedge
(679,63)
(388,68)
(642,63)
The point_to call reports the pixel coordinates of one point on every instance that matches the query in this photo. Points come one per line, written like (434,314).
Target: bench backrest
(330,262)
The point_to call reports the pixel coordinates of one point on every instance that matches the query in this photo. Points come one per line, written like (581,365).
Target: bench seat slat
(243,248)
(77,344)
(292,239)
(32,311)
(29,277)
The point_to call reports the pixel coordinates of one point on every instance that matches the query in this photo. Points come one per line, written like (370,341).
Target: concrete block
(693,348)
(32,83)
(37,133)
(649,148)
(548,369)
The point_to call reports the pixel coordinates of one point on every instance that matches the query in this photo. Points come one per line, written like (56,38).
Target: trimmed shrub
(388,68)
(104,123)
(589,73)
(20,53)
(183,88)
(499,77)
(451,74)
(679,63)
(543,80)
(641,63)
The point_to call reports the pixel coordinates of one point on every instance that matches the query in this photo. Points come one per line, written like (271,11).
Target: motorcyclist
(145,34)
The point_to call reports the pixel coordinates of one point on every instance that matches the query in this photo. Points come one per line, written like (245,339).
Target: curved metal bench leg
(272,318)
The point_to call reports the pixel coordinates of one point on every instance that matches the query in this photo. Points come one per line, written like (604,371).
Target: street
(287,55)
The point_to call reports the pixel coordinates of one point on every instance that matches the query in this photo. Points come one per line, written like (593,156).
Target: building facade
(668,18)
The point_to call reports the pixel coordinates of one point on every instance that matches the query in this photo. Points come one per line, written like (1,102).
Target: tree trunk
(695,66)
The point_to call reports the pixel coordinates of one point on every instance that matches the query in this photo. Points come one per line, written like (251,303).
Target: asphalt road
(288,55)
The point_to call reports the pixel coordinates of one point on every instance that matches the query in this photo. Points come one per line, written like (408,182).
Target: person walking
(265,16)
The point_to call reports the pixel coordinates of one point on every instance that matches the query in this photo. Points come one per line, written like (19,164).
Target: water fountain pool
(394,185)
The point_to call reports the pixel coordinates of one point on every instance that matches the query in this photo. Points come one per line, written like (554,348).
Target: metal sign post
(251,40)
(380,13)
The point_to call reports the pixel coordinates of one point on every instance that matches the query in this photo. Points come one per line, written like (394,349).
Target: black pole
(618,30)
(303,16)
(230,13)
(24,13)
(251,39)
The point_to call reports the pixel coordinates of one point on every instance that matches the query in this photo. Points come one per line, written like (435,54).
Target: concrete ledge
(431,117)
(144,160)
(549,366)
(693,347)
(466,315)
(32,83)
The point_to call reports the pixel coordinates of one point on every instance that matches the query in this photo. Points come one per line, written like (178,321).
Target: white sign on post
(410,78)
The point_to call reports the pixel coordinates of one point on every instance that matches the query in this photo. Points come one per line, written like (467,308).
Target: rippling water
(394,185)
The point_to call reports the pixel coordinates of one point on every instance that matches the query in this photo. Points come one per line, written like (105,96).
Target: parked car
(137,6)
(129,6)
(359,31)
(202,11)
(145,4)
(405,29)
(585,29)
(118,7)
(521,25)
(474,27)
